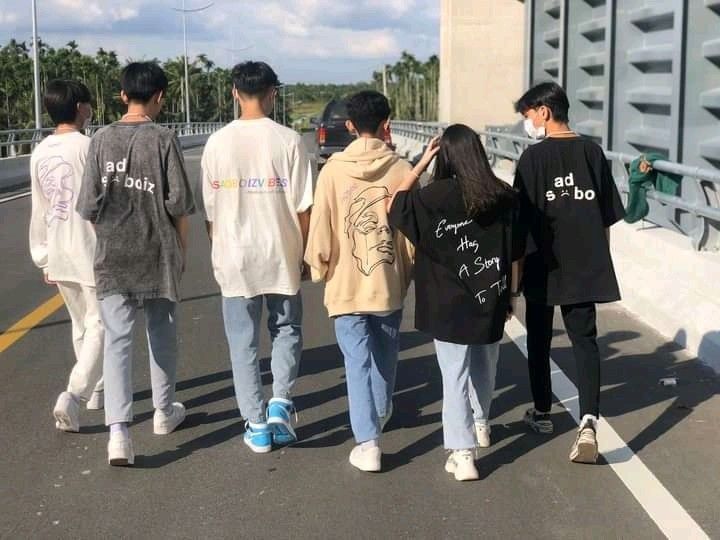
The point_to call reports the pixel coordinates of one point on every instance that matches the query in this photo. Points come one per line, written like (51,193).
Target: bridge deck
(202,482)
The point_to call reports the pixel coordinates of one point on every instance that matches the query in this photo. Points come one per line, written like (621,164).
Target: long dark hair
(463,157)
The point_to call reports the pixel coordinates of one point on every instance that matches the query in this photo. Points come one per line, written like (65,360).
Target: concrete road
(202,482)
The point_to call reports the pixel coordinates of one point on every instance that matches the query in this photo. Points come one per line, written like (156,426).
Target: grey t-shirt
(133,187)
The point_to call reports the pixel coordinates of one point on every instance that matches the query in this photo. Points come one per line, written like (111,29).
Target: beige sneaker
(96,401)
(366,459)
(164,424)
(461,463)
(482,433)
(585,447)
(120,451)
(67,413)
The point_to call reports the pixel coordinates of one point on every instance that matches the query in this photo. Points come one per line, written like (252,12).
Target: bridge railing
(695,212)
(20,142)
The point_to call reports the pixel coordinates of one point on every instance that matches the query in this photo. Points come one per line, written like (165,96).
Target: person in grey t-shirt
(136,193)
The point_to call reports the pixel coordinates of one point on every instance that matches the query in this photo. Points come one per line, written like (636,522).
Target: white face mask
(532,131)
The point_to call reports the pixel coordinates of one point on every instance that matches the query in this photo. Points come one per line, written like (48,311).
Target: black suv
(331,134)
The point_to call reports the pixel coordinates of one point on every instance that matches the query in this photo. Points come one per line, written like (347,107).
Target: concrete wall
(481,60)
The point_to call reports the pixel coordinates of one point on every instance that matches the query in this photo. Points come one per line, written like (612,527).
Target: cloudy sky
(306,40)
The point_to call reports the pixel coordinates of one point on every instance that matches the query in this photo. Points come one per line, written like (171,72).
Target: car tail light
(322,135)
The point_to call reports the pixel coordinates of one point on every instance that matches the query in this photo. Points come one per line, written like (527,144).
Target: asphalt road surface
(202,482)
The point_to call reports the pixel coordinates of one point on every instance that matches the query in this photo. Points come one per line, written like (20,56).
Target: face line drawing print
(55,178)
(372,242)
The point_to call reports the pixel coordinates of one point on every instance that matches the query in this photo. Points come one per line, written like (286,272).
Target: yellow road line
(29,321)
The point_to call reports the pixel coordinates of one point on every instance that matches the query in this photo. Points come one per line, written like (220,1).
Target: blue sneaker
(278,418)
(258,437)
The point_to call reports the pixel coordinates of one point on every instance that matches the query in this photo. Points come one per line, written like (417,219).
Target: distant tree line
(412,86)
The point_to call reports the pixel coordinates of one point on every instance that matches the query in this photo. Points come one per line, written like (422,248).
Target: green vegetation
(411,86)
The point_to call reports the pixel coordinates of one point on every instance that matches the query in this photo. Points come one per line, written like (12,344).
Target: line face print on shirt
(372,241)
(564,188)
(481,272)
(56,182)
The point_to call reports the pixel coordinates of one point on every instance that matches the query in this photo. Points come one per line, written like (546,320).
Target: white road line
(13,197)
(672,519)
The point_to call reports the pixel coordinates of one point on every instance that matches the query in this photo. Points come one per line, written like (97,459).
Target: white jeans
(87,335)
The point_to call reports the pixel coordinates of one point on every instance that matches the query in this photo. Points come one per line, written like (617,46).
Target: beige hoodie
(365,264)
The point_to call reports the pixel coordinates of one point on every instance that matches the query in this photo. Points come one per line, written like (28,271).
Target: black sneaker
(538,422)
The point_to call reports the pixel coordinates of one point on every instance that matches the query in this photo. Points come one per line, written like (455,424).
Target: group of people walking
(110,227)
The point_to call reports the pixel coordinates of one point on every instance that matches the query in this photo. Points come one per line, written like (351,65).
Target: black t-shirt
(567,199)
(462,267)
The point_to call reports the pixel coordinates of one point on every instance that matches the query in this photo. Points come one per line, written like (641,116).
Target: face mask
(532,131)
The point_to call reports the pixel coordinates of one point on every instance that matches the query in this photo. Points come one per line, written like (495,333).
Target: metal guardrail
(694,213)
(19,142)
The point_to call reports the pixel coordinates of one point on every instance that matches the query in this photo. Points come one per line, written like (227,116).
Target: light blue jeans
(118,315)
(468,376)
(370,345)
(242,328)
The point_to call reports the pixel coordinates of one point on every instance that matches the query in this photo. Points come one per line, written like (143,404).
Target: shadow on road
(630,380)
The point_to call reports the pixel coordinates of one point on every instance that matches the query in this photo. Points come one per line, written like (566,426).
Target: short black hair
(142,80)
(254,78)
(367,110)
(61,100)
(549,94)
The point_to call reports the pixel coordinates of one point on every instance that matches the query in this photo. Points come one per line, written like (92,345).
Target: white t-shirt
(256,178)
(61,242)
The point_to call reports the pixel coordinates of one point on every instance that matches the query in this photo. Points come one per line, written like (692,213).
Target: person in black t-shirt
(568,201)
(462,227)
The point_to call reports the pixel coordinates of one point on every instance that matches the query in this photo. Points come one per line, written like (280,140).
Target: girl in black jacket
(462,226)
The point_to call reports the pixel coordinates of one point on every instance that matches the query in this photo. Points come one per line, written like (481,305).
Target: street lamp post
(184,12)
(36,67)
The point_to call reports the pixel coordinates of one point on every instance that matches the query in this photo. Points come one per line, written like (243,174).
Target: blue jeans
(118,315)
(370,345)
(242,328)
(464,367)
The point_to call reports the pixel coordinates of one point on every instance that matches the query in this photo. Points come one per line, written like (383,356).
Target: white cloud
(124,13)
(7,18)
(305,39)
(95,12)
(396,7)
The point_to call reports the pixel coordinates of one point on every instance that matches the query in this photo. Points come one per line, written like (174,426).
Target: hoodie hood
(365,159)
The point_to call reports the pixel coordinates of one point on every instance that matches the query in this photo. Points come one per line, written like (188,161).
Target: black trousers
(581,325)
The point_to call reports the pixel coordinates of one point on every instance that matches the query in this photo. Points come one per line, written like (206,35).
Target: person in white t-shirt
(257,194)
(62,244)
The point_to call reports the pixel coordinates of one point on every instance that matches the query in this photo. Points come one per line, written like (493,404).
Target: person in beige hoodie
(366,267)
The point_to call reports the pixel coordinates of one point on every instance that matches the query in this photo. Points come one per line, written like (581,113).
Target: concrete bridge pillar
(482,48)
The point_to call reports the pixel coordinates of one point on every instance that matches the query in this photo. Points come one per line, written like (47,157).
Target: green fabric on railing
(643,177)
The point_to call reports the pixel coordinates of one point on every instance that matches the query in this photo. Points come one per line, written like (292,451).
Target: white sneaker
(385,419)
(164,424)
(96,401)
(461,463)
(366,459)
(482,433)
(120,451)
(67,413)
